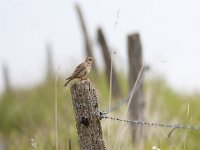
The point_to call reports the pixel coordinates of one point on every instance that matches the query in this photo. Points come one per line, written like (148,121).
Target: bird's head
(89,60)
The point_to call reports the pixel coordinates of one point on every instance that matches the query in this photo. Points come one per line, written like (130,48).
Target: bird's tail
(67,82)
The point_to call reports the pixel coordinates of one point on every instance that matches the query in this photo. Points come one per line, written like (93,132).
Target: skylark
(81,70)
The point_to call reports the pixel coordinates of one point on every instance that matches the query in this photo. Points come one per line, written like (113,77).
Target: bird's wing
(78,69)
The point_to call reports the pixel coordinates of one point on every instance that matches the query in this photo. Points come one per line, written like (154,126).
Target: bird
(81,71)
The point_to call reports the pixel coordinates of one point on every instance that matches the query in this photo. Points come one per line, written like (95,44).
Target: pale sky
(170,33)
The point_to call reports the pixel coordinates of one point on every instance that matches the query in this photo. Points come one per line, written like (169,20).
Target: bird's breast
(88,68)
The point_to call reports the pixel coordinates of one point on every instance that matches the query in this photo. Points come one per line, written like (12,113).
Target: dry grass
(28,118)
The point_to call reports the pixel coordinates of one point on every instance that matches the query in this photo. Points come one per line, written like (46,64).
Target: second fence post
(137,105)
(107,59)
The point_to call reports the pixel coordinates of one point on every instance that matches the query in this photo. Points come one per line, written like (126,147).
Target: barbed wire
(152,124)
(103,114)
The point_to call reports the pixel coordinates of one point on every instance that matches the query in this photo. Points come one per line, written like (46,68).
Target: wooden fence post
(6,77)
(49,62)
(88,45)
(136,111)
(107,59)
(87,117)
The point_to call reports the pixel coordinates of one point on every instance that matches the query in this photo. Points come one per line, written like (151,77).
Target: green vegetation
(27,117)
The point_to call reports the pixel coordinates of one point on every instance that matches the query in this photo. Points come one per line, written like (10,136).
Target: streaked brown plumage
(81,70)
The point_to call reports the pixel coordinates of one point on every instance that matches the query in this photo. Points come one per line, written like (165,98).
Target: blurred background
(169,32)
(42,40)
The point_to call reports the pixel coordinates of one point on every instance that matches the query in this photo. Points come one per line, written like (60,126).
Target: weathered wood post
(49,62)
(107,59)
(87,116)
(6,77)
(136,111)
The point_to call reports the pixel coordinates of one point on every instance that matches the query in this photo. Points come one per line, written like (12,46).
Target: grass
(27,117)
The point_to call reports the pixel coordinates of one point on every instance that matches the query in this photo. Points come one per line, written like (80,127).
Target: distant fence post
(88,45)
(88,124)
(6,78)
(49,62)
(136,111)
(107,59)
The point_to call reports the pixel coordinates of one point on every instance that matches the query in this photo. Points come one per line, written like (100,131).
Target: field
(27,117)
